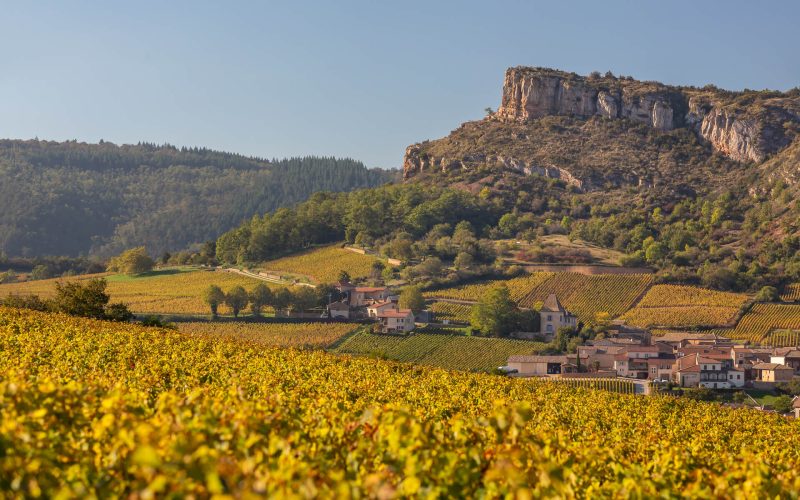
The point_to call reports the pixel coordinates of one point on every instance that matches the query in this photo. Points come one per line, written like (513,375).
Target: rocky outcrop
(530,94)
(744,126)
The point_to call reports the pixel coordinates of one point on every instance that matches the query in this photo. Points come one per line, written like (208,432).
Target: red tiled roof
(402,313)
(381,304)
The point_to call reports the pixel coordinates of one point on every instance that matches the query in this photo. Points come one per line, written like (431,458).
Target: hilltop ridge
(540,106)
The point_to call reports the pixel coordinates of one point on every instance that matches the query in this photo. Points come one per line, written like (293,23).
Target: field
(757,324)
(583,295)
(685,306)
(791,293)
(782,338)
(303,335)
(519,288)
(323,265)
(456,352)
(455,313)
(588,296)
(93,409)
(173,291)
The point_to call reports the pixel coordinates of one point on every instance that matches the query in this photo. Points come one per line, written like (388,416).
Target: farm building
(396,321)
(533,366)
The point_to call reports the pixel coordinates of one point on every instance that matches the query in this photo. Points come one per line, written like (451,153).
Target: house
(361,296)
(541,366)
(374,310)
(338,310)
(600,357)
(796,406)
(789,356)
(621,331)
(660,368)
(554,316)
(396,321)
(712,373)
(684,339)
(772,373)
(633,362)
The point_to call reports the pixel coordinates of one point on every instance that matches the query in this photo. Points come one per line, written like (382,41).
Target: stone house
(554,316)
(396,321)
(772,373)
(699,371)
(789,356)
(540,366)
(374,310)
(339,310)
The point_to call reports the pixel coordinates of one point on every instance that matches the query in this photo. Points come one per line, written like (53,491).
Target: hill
(699,183)
(112,410)
(73,198)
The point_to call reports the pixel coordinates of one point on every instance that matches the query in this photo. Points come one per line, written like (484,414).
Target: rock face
(742,132)
(529,94)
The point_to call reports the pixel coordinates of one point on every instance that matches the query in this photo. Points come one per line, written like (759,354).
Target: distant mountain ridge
(71,198)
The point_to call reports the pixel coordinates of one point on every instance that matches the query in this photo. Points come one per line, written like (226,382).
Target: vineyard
(160,292)
(456,352)
(603,384)
(324,264)
(586,296)
(93,409)
(455,313)
(782,338)
(583,295)
(685,306)
(757,324)
(304,335)
(791,293)
(519,288)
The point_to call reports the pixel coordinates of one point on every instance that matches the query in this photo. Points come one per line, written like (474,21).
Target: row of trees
(237,299)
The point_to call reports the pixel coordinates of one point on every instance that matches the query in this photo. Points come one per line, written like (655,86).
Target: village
(685,359)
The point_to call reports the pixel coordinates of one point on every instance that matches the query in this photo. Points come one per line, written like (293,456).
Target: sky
(360,79)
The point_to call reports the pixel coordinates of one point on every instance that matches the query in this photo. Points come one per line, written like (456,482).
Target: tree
(118,312)
(464,260)
(327,293)
(767,294)
(782,404)
(87,299)
(282,299)
(214,296)
(376,270)
(237,300)
(494,314)
(260,296)
(133,261)
(344,277)
(305,298)
(41,272)
(489,111)
(411,298)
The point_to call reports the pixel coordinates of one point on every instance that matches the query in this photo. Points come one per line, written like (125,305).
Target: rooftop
(529,358)
(771,366)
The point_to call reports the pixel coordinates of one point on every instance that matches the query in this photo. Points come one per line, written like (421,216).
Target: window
(549,317)
(549,328)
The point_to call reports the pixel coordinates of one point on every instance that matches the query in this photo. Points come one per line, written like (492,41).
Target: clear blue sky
(360,79)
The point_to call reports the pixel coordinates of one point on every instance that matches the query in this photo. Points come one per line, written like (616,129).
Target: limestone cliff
(743,126)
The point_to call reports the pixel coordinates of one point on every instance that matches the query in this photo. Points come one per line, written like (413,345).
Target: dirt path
(263,277)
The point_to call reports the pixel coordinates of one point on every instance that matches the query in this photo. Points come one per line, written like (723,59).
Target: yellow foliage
(141,412)
(324,264)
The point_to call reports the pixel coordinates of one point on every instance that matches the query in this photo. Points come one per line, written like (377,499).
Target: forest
(77,199)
